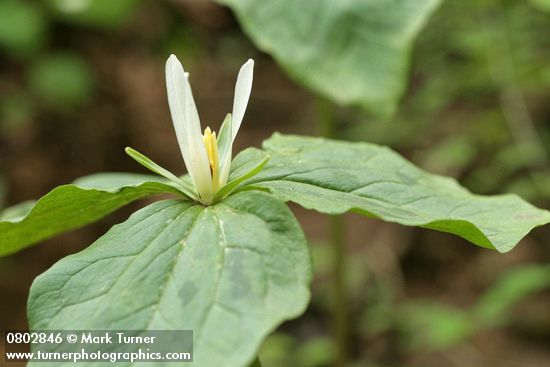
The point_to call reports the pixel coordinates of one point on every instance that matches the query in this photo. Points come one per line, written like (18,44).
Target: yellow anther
(211,144)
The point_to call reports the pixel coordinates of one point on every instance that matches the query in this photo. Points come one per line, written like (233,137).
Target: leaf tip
(132,152)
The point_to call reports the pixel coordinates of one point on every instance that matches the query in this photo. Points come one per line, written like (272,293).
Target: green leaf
(514,286)
(16,109)
(353,52)
(335,177)
(23,27)
(543,5)
(62,80)
(102,14)
(184,187)
(231,272)
(434,327)
(72,206)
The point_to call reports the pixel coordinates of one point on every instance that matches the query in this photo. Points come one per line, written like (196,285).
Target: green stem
(514,108)
(339,315)
(339,309)
(326,118)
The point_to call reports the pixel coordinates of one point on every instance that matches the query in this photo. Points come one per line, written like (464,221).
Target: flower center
(211,144)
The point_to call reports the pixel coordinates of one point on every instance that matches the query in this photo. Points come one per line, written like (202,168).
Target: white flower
(207,159)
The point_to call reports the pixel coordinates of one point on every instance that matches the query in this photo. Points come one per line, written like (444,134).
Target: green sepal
(148,163)
(240,175)
(224,139)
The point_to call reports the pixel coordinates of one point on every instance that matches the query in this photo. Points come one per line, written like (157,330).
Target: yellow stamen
(211,144)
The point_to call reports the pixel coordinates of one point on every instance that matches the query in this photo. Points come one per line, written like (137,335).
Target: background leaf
(543,5)
(102,14)
(426,324)
(516,284)
(16,109)
(230,272)
(353,52)
(23,27)
(62,80)
(378,182)
(71,206)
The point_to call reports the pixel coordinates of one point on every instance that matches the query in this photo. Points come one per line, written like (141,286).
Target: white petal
(202,176)
(175,81)
(187,126)
(243,87)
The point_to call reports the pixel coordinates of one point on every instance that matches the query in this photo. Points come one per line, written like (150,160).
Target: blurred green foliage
(543,5)
(61,80)
(23,27)
(419,325)
(102,14)
(476,107)
(282,350)
(16,109)
(429,325)
(512,287)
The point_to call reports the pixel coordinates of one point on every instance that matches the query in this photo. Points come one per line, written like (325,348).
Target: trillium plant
(224,256)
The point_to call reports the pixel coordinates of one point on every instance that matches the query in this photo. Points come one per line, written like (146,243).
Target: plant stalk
(339,306)
(340,322)
(512,101)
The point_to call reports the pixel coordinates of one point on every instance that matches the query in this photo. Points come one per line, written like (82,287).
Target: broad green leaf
(72,206)
(230,272)
(335,177)
(353,52)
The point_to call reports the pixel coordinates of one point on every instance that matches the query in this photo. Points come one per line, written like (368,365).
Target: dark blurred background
(82,79)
